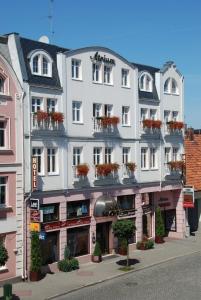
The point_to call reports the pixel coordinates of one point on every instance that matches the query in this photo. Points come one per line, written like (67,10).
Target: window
(50,212)
(108,110)
(108,155)
(144,158)
(153,159)
(166,116)
(97,156)
(51,105)
(3,241)
(125,78)
(77,111)
(41,64)
(36,104)
(125,115)
(175,116)
(97,110)
(77,156)
(153,114)
(175,152)
(78,241)
(2,134)
(77,209)
(38,152)
(125,155)
(171,87)
(107,74)
(146,82)
(52,167)
(76,69)
(144,113)
(2,83)
(126,202)
(167,154)
(96,73)
(3,182)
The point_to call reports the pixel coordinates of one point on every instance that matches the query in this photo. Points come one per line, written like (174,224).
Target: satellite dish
(44,39)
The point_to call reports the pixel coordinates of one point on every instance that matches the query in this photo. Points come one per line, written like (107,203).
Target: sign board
(34,168)
(147,209)
(35,215)
(67,223)
(42,236)
(188,197)
(34,227)
(126,212)
(34,203)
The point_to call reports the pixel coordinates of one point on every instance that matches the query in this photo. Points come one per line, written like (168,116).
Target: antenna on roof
(50,17)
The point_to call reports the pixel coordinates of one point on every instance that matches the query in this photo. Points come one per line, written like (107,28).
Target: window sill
(77,79)
(145,170)
(78,123)
(3,269)
(97,82)
(154,169)
(126,87)
(53,174)
(6,151)
(141,90)
(5,208)
(108,84)
(125,125)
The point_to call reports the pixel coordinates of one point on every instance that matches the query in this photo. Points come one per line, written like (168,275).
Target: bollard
(7,291)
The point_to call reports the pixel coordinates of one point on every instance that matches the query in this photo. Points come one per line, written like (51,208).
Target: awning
(105,206)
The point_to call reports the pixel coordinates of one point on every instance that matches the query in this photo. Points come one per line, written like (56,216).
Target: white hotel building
(87,85)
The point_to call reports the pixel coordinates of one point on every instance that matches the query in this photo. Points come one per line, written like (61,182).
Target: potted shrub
(145,244)
(97,256)
(82,170)
(176,165)
(131,166)
(3,254)
(106,169)
(68,263)
(159,227)
(36,259)
(123,247)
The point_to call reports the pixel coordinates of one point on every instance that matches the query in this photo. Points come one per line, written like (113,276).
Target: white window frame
(143,113)
(40,64)
(5,185)
(77,156)
(125,116)
(125,78)
(39,152)
(108,110)
(108,157)
(52,152)
(77,111)
(76,69)
(3,238)
(2,85)
(125,155)
(107,75)
(3,131)
(175,116)
(168,86)
(166,116)
(144,158)
(37,104)
(143,81)
(97,110)
(175,153)
(153,158)
(167,154)
(96,73)
(97,155)
(153,114)
(51,105)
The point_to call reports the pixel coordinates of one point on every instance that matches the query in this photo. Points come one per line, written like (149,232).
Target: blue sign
(42,235)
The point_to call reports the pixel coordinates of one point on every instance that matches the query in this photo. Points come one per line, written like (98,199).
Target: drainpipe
(24,220)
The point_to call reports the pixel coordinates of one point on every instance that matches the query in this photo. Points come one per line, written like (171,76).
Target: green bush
(97,250)
(67,253)
(150,244)
(3,254)
(145,244)
(67,265)
(36,259)
(159,224)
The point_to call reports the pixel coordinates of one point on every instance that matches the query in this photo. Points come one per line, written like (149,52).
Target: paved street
(174,280)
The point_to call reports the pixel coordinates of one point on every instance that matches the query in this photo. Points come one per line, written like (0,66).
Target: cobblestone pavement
(174,280)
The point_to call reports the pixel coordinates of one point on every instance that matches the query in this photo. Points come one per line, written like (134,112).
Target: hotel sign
(35,215)
(34,172)
(67,223)
(188,197)
(98,58)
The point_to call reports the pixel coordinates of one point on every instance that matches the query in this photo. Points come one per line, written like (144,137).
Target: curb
(119,275)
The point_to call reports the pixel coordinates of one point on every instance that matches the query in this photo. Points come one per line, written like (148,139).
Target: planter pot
(159,240)
(96,259)
(122,251)
(34,276)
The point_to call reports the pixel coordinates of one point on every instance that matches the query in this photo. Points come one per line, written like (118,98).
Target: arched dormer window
(171,87)
(2,85)
(146,82)
(41,63)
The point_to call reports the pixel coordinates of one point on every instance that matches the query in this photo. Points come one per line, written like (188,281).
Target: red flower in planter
(147,123)
(156,124)
(42,115)
(131,166)
(174,125)
(106,169)
(57,117)
(176,165)
(106,121)
(82,170)
(115,120)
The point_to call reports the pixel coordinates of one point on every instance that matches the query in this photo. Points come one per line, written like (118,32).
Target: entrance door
(102,236)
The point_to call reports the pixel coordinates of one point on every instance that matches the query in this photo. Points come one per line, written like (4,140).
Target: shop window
(126,202)
(77,209)
(50,213)
(50,248)
(78,241)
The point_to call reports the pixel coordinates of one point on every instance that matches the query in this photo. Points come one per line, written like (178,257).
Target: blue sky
(148,32)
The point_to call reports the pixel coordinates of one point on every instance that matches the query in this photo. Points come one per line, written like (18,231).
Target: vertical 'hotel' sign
(34,173)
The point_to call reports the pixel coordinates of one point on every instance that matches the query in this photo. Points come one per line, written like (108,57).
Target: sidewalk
(88,274)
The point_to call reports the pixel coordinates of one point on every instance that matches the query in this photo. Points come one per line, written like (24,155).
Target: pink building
(11,175)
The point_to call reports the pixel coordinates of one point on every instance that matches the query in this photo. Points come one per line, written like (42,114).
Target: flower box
(106,169)
(41,115)
(176,165)
(57,117)
(108,121)
(175,125)
(131,166)
(155,124)
(82,170)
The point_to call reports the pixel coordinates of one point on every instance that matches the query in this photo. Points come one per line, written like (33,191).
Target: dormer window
(171,87)
(41,64)
(2,85)
(146,82)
